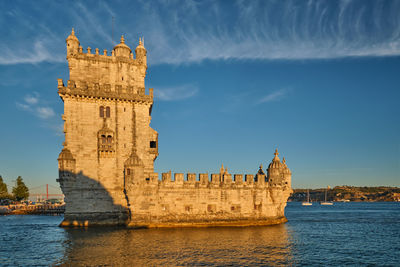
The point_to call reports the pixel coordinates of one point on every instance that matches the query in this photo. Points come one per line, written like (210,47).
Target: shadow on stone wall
(89,203)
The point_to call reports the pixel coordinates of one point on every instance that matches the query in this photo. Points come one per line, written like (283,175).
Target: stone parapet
(105,91)
(203,180)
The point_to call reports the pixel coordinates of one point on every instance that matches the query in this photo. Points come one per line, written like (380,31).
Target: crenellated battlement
(215,180)
(105,91)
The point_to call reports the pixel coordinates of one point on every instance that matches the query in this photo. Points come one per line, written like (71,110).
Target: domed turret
(121,49)
(133,160)
(276,162)
(141,53)
(278,172)
(72,44)
(66,165)
(134,169)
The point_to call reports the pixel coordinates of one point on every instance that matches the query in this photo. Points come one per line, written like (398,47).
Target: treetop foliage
(20,190)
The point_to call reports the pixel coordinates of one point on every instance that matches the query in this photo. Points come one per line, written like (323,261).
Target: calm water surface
(359,234)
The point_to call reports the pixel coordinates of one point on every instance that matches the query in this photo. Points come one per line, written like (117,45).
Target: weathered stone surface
(106,168)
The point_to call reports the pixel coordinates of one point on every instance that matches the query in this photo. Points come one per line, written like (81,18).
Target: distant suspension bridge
(45,192)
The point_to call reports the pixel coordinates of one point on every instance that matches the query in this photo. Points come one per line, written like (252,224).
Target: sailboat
(307,203)
(326,202)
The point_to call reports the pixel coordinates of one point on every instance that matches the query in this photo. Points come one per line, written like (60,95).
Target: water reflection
(169,247)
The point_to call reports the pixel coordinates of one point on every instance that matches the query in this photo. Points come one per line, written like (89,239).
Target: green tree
(3,189)
(20,190)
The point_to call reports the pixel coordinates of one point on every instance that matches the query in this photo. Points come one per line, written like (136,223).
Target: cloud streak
(176,93)
(272,30)
(32,99)
(33,105)
(274,96)
(45,112)
(188,32)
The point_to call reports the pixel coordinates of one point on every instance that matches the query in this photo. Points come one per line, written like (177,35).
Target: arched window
(101,112)
(103,139)
(108,112)
(109,139)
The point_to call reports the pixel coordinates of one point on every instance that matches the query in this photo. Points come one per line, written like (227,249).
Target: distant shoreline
(48,209)
(349,194)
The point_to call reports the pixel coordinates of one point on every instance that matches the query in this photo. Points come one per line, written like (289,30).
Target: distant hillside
(349,193)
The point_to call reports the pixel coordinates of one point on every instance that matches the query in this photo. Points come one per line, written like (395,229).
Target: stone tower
(108,138)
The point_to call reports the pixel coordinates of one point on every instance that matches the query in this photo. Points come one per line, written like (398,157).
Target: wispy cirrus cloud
(186,32)
(36,106)
(32,104)
(45,112)
(32,99)
(176,93)
(273,96)
(40,53)
(271,30)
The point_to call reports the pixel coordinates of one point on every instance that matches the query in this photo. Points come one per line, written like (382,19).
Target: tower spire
(276,158)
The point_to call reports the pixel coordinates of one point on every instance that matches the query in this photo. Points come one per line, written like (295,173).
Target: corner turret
(72,44)
(133,169)
(66,166)
(278,172)
(141,53)
(121,49)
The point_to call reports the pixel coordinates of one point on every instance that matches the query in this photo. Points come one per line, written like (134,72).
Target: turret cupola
(121,49)
(141,53)
(278,172)
(72,44)
(276,162)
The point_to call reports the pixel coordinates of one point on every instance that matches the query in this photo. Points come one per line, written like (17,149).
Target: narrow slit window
(109,139)
(103,139)
(108,112)
(153,144)
(101,112)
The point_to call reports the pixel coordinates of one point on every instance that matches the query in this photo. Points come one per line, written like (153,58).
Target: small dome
(65,155)
(276,162)
(260,170)
(133,160)
(72,36)
(141,45)
(121,49)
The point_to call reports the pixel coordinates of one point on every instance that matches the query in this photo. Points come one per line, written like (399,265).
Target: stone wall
(199,201)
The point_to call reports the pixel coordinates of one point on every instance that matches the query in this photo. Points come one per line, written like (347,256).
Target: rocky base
(94,219)
(209,223)
(115,219)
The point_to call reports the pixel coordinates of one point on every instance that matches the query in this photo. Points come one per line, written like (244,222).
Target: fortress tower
(107,117)
(106,167)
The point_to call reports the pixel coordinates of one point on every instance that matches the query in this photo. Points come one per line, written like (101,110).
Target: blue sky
(319,80)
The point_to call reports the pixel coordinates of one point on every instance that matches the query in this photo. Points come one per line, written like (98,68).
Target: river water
(358,234)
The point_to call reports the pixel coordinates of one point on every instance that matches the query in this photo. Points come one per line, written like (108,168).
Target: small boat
(307,203)
(326,203)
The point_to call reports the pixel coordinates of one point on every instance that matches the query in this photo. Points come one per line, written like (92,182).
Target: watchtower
(107,115)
